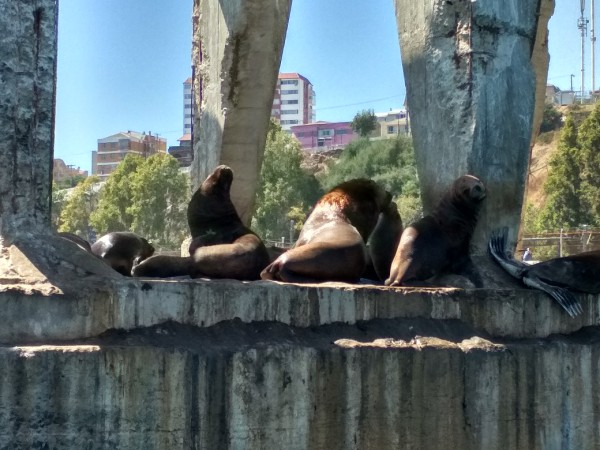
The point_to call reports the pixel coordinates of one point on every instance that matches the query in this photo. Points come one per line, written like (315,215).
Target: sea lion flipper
(497,249)
(563,296)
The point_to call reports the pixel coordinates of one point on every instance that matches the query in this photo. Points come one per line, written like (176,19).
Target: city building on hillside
(183,151)
(61,171)
(113,149)
(294,101)
(391,124)
(188,107)
(324,136)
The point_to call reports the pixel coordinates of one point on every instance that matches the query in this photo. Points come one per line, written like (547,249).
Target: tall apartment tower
(294,101)
(188,110)
(113,149)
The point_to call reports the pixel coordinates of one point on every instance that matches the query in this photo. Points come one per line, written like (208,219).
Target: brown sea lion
(122,249)
(222,246)
(557,277)
(439,242)
(331,245)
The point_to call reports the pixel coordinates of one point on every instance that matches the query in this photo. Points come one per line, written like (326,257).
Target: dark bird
(557,277)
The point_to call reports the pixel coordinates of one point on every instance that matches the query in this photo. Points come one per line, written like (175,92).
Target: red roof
(185,137)
(292,75)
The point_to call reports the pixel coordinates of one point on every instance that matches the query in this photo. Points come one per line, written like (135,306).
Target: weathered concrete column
(29,252)
(27,96)
(237,48)
(471,95)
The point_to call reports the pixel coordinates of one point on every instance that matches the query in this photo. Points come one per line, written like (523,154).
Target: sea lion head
(361,201)
(468,189)
(210,208)
(218,182)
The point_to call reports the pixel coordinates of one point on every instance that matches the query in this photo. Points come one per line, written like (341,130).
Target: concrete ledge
(270,385)
(35,315)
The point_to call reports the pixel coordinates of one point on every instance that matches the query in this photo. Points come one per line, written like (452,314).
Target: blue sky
(122,63)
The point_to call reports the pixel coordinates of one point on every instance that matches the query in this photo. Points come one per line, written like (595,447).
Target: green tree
(390,162)
(160,195)
(75,214)
(564,207)
(551,119)
(286,192)
(147,196)
(589,144)
(364,122)
(59,199)
(116,198)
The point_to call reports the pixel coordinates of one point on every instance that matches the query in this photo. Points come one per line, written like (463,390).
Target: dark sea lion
(85,245)
(122,249)
(331,245)
(557,277)
(439,242)
(383,241)
(163,266)
(222,246)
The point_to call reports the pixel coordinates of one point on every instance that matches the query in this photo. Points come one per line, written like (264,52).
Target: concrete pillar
(471,94)
(27,99)
(29,251)
(237,48)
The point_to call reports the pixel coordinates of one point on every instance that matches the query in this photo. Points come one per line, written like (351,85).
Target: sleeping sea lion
(222,246)
(122,249)
(331,245)
(82,243)
(439,242)
(557,277)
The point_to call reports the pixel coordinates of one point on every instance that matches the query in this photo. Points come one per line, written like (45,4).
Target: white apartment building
(188,112)
(294,101)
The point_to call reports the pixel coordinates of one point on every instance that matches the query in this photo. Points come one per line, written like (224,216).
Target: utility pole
(593,51)
(582,23)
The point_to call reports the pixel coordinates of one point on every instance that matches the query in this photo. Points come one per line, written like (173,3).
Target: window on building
(342,131)
(289,122)
(289,102)
(123,144)
(289,111)
(391,129)
(289,91)
(294,82)
(325,133)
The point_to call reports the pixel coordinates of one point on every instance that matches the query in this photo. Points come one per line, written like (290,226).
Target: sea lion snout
(477,192)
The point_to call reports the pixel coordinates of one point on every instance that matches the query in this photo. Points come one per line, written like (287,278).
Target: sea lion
(382,243)
(557,277)
(82,243)
(222,246)
(439,242)
(122,249)
(331,245)
(163,266)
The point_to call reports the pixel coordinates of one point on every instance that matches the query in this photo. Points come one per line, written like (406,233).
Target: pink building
(321,136)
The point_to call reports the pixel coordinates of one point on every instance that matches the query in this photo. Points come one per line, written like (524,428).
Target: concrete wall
(343,379)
